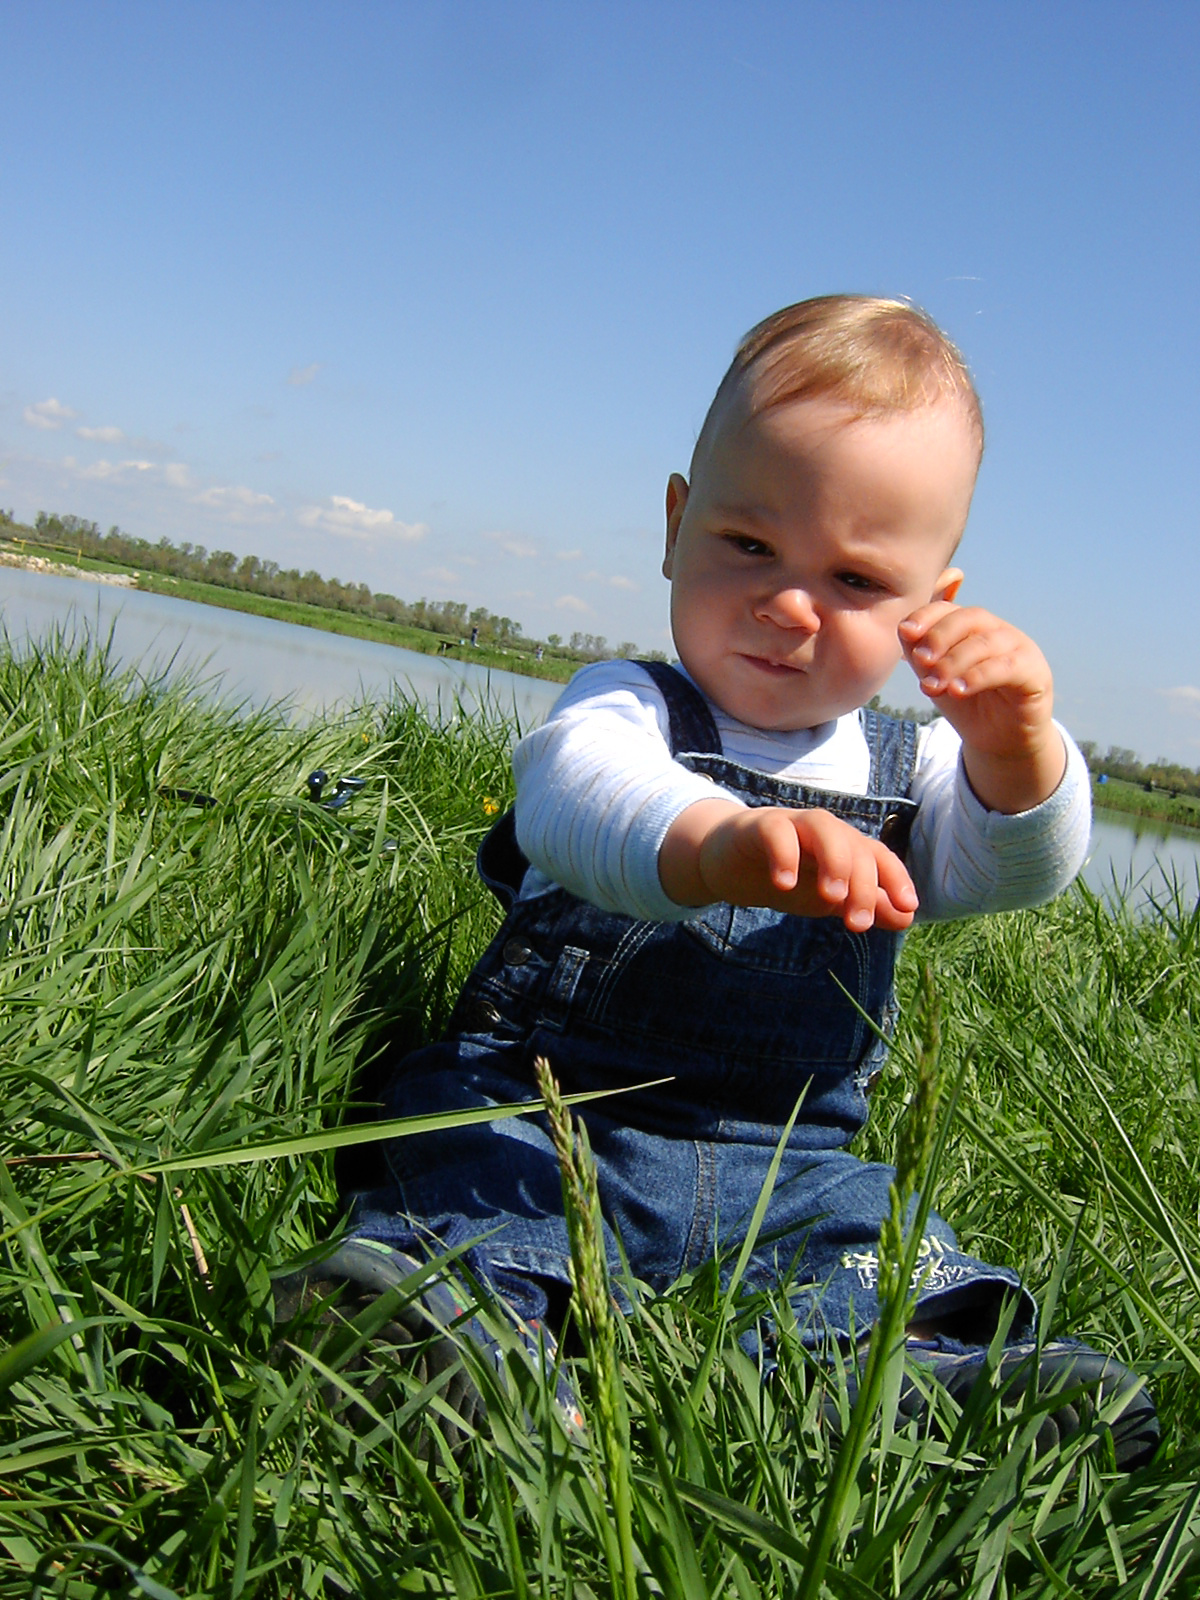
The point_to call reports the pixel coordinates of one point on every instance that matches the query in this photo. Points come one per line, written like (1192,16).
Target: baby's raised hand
(994,685)
(809,863)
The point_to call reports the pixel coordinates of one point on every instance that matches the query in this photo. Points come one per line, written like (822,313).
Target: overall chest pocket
(754,939)
(732,987)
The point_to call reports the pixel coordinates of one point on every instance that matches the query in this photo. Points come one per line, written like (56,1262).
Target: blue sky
(434,296)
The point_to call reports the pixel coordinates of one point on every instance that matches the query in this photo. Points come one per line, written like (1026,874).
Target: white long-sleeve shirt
(597,790)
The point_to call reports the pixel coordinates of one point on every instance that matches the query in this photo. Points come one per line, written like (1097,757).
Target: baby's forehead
(742,417)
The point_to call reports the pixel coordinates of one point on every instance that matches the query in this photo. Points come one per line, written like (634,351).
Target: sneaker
(1078,1380)
(422,1331)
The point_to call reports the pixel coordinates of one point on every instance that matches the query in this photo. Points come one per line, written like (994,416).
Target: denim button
(516,954)
(895,831)
(481,1016)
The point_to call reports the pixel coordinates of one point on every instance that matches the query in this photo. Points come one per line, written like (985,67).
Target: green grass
(188,995)
(1131,799)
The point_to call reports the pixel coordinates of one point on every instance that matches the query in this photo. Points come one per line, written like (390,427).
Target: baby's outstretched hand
(809,863)
(993,684)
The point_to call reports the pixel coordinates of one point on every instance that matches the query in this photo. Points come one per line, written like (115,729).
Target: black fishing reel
(344,790)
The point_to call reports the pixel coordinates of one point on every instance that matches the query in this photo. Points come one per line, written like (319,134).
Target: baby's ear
(948,584)
(677,493)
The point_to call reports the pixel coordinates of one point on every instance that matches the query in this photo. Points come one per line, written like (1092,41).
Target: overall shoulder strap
(893,746)
(501,862)
(692,726)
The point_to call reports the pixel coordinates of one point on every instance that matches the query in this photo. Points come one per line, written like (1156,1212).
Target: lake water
(258,661)
(1142,859)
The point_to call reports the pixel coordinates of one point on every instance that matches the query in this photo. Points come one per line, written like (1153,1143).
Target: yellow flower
(490,806)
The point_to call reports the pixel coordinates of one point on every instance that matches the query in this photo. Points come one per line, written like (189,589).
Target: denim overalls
(743,1010)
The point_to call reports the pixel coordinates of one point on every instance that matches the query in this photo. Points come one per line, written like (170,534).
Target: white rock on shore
(120,580)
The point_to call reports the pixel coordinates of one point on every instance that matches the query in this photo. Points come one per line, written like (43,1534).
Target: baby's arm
(598,795)
(1005,803)
(994,686)
(597,791)
(809,863)
(966,860)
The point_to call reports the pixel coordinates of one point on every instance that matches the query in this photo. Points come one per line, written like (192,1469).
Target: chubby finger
(918,623)
(951,627)
(778,846)
(888,917)
(881,891)
(830,845)
(862,894)
(999,672)
(950,668)
(894,881)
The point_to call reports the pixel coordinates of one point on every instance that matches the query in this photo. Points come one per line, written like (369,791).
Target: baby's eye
(859,582)
(748,544)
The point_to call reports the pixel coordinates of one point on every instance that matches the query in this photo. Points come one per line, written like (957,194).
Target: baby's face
(803,541)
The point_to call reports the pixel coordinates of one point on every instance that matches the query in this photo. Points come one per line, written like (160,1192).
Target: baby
(712,866)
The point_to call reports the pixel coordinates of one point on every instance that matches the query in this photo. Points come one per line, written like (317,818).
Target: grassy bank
(1156,805)
(553,668)
(188,993)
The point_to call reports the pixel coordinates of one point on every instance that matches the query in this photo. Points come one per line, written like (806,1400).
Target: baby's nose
(790,608)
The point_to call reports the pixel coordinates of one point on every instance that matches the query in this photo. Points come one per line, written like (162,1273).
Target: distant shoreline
(1130,800)
(375,630)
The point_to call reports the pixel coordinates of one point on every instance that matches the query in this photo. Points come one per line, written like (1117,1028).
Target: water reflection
(1144,861)
(256,660)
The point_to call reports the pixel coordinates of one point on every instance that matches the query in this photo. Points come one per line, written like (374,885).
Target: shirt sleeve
(597,790)
(965,859)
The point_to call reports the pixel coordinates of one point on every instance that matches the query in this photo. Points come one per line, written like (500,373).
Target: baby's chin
(759,697)
(777,719)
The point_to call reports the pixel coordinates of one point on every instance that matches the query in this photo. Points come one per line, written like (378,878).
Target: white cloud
(617,582)
(299,376)
(100,435)
(235,502)
(1186,696)
(512,545)
(440,575)
(113,471)
(571,602)
(352,520)
(48,414)
(175,474)
(568,555)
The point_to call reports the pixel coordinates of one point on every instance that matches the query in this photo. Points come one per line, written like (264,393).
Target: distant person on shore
(712,867)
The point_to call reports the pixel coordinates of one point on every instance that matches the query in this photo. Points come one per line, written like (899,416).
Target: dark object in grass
(359,1310)
(344,789)
(188,797)
(359,1290)
(1077,1381)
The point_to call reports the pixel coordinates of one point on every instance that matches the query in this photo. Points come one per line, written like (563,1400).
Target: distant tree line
(1117,762)
(450,618)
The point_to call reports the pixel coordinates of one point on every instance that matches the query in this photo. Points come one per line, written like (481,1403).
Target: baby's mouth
(773,668)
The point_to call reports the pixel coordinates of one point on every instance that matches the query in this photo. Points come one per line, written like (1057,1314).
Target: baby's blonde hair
(878,356)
